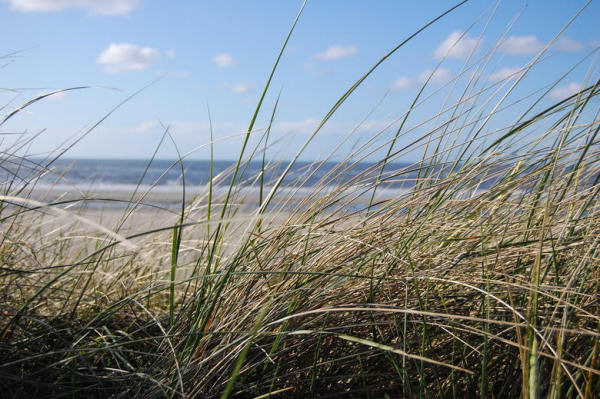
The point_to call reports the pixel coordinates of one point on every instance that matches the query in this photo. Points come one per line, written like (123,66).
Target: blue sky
(220,53)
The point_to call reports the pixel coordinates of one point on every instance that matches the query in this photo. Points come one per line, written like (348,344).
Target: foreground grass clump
(481,278)
(447,289)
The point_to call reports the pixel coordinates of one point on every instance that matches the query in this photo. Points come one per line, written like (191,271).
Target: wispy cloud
(526,45)
(237,87)
(127,57)
(456,45)
(144,127)
(180,127)
(242,88)
(224,60)
(402,83)
(521,45)
(294,126)
(335,53)
(568,45)
(54,97)
(306,126)
(96,7)
(314,70)
(441,75)
(504,73)
(563,92)
(183,74)
(171,54)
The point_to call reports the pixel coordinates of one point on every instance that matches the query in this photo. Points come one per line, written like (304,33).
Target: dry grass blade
(474,271)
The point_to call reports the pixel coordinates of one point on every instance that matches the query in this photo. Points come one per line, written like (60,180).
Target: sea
(168,177)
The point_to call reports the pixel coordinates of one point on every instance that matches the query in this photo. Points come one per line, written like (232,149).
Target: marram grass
(446,290)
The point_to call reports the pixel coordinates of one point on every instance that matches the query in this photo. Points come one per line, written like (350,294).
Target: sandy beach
(118,214)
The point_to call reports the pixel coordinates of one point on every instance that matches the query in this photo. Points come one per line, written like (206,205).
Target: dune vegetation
(481,278)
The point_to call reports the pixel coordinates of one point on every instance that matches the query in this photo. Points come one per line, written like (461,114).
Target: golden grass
(480,279)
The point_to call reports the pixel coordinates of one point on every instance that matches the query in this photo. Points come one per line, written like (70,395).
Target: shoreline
(170,196)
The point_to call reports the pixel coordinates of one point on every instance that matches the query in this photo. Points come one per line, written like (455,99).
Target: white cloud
(242,88)
(97,7)
(176,73)
(504,73)
(568,45)
(375,126)
(54,97)
(193,127)
(171,54)
(293,126)
(58,95)
(306,126)
(181,74)
(456,46)
(238,88)
(188,127)
(521,45)
(127,57)
(334,53)
(441,75)
(562,92)
(402,83)
(180,127)
(314,70)
(224,60)
(144,127)
(524,45)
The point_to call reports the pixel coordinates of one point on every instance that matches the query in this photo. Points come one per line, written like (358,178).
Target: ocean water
(167,174)
(165,177)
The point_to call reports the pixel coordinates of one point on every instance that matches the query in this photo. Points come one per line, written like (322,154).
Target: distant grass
(446,290)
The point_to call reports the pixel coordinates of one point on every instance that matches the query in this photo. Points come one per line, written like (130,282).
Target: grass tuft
(479,276)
